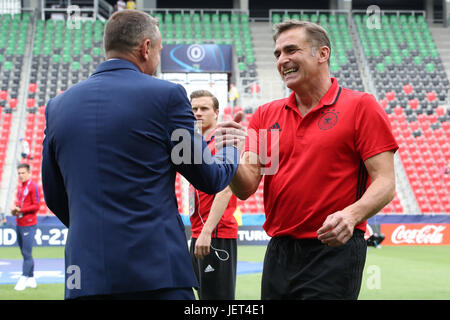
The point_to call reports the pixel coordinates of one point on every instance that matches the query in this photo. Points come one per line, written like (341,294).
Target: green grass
(407,273)
(38,252)
(43,291)
(391,273)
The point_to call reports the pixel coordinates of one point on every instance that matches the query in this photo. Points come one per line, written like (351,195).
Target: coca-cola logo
(428,234)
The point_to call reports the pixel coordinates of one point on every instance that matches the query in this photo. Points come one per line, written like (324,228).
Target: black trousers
(216,273)
(306,269)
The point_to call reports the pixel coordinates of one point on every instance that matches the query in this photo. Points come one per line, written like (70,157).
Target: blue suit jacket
(108,175)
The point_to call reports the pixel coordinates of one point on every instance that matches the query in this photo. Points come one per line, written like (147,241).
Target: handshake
(231,133)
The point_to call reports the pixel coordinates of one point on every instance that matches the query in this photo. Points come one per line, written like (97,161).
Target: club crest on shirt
(328,119)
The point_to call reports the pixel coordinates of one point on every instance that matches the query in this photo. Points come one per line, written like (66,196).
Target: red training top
(227,227)
(321,157)
(28,202)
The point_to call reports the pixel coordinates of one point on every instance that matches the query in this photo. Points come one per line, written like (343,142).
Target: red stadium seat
(29,132)
(440,111)
(433,118)
(438,133)
(13,103)
(384,103)
(398,208)
(446,127)
(403,125)
(422,118)
(31,117)
(413,104)
(5,131)
(390,96)
(414,125)
(31,102)
(255,88)
(3,95)
(428,133)
(398,110)
(447,207)
(391,117)
(7,120)
(32,87)
(408,88)
(40,126)
(434,147)
(431,96)
(406,133)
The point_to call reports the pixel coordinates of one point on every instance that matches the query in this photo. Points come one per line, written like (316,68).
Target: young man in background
(213,225)
(25,210)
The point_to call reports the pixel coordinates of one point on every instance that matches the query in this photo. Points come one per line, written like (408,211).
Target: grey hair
(317,35)
(126,29)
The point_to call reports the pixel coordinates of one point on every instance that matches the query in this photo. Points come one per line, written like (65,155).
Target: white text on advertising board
(428,234)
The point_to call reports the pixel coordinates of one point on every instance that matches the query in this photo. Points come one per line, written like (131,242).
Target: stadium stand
(61,57)
(404,69)
(14,31)
(411,81)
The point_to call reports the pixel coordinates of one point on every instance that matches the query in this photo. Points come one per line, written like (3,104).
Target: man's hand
(14,210)
(337,228)
(231,133)
(202,245)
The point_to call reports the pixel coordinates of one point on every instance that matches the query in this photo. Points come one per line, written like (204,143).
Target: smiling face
(296,59)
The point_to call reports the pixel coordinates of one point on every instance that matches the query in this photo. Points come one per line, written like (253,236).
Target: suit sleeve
(52,181)
(190,153)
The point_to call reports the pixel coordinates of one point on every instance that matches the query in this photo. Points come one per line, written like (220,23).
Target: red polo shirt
(28,202)
(321,157)
(227,227)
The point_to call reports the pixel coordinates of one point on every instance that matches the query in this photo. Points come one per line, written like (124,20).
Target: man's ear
(324,54)
(145,49)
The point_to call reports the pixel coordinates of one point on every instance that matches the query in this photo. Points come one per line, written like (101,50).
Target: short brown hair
(127,28)
(205,93)
(23,166)
(317,35)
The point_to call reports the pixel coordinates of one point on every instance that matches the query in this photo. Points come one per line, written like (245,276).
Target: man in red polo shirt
(212,221)
(326,154)
(25,209)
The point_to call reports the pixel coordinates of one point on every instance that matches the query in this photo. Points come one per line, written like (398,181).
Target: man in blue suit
(109,165)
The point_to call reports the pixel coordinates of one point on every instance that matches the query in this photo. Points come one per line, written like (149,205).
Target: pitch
(391,273)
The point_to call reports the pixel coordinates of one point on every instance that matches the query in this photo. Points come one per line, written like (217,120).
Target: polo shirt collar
(328,99)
